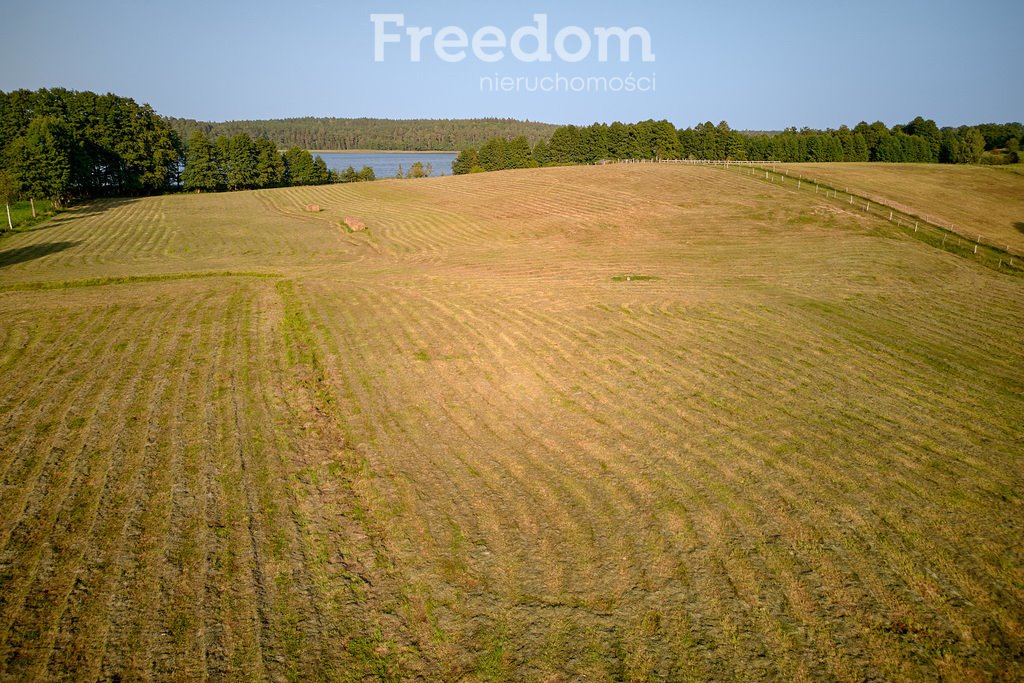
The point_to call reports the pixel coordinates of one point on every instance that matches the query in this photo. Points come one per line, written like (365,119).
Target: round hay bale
(354,224)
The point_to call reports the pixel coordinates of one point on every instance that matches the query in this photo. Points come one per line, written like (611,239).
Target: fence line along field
(986,201)
(597,423)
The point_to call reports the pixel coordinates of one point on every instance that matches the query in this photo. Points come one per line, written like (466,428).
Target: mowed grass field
(599,423)
(986,201)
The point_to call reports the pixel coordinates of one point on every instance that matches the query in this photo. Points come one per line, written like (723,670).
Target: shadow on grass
(1020,226)
(78,211)
(32,251)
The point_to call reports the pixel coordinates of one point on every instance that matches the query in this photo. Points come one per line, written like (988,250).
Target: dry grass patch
(463,446)
(974,200)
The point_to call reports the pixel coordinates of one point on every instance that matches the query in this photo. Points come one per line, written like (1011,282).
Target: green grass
(634,278)
(997,257)
(21,215)
(124,280)
(985,201)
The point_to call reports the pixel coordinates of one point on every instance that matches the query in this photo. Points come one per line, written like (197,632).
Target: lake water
(385,165)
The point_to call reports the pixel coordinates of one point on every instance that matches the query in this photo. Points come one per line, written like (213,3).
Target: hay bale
(354,224)
(313,208)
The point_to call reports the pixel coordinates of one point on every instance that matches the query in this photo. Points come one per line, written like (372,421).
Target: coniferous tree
(202,167)
(705,143)
(540,153)
(735,147)
(321,174)
(593,144)
(40,160)
(664,140)
(564,146)
(687,144)
(618,142)
(349,175)
(269,164)
(299,167)
(493,155)
(115,146)
(466,161)
(518,154)
(242,163)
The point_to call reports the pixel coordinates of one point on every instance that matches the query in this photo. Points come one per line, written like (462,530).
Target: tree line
(63,144)
(240,162)
(441,135)
(920,140)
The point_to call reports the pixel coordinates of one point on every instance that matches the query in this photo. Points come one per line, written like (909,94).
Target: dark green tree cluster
(243,163)
(708,141)
(962,146)
(1001,135)
(920,141)
(416,170)
(805,145)
(601,141)
(575,145)
(495,155)
(444,135)
(351,175)
(65,145)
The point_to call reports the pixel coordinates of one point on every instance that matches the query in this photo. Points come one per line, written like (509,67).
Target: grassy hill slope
(972,200)
(606,423)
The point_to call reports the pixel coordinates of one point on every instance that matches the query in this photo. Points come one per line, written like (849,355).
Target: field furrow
(631,422)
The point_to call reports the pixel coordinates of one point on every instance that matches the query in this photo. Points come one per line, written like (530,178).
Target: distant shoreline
(377,151)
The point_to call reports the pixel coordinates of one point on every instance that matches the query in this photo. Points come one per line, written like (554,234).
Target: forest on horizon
(66,145)
(421,135)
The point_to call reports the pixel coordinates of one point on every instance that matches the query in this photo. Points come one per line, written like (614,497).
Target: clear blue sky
(758,65)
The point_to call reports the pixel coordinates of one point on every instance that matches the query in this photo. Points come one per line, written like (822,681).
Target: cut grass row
(151,515)
(969,200)
(1000,257)
(433,357)
(462,446)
